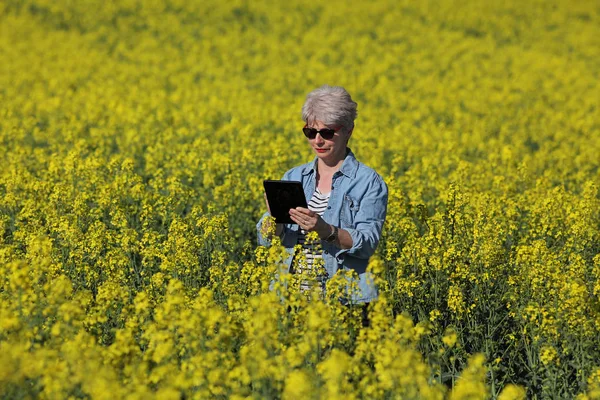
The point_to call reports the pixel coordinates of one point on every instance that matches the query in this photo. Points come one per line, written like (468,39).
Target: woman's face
(331,150)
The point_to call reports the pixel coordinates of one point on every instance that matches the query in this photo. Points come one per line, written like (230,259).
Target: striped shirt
(313,251)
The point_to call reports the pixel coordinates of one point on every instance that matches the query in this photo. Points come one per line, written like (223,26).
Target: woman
(347,201)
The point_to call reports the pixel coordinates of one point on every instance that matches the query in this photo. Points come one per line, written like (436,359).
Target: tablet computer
(283,195)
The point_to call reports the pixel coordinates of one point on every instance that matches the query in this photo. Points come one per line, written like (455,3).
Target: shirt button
(329,207)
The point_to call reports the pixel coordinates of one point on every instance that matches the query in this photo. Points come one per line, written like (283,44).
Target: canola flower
(134,139)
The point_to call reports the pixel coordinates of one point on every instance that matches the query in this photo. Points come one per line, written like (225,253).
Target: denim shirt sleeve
(368,223)
(262,241)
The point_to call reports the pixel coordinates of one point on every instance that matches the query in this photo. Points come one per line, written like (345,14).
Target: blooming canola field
(134,139)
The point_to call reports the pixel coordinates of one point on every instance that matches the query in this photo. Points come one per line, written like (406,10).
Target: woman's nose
(319,138)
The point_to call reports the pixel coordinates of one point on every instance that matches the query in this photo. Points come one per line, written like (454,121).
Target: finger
(295,219)
(299,220)
(303,211)
(299,215)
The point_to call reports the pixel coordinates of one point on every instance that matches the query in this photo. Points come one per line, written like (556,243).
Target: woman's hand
(310,221)
(267,202)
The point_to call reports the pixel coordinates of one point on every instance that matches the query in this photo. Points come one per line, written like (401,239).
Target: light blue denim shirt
(358,204)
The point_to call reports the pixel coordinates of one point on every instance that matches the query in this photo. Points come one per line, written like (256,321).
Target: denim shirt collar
(348,168)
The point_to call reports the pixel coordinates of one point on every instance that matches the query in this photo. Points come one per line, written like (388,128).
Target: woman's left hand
(309,220)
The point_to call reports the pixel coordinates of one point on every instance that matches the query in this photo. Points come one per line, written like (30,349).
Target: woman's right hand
(267,202)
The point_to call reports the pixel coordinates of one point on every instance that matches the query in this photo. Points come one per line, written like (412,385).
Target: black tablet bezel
(280,206)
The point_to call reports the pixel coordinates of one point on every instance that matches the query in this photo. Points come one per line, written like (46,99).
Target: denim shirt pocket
(350,207)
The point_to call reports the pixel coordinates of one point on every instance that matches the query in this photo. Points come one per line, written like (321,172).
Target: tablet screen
(283,195)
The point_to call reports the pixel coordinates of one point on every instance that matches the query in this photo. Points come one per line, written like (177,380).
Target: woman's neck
(329,167)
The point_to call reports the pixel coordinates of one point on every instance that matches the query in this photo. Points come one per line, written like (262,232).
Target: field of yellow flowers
(134,138)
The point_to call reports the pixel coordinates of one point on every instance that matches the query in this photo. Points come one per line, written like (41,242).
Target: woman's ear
(349,134)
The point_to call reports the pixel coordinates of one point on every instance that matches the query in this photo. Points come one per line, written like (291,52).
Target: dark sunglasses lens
(327,133)
(310,133)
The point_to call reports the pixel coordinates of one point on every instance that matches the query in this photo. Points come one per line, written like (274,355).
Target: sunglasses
(326,133)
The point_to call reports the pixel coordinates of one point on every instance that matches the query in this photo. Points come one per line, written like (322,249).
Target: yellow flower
(134,139)
(472,382)
(298,385)
(548,355)
(512,392)
(450,337)
(434,315)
